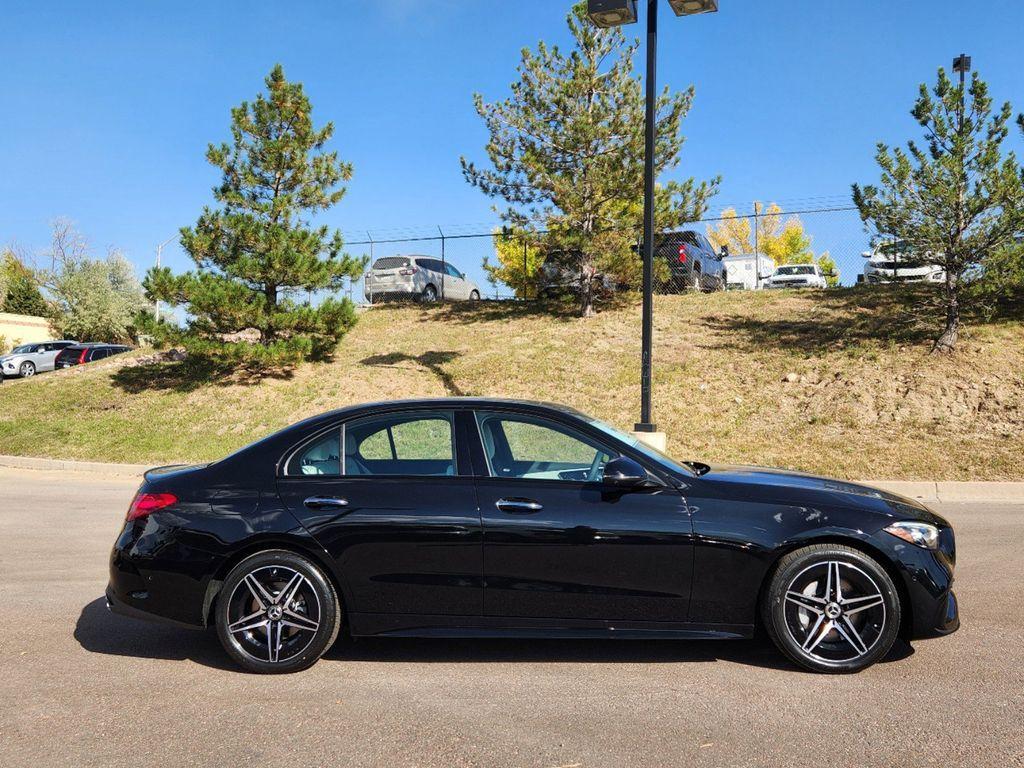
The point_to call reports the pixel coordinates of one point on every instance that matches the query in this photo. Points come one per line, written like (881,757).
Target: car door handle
(325,502)
(519,506)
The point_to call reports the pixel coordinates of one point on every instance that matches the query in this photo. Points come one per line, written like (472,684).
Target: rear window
(69,353)
(391,262)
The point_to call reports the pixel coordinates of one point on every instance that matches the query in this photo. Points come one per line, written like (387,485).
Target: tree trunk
(586,293)
(951,334)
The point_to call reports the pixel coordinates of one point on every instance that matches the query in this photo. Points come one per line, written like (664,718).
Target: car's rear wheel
(27,370)
(429,294)
(277,612)
(474,295)
(831,608)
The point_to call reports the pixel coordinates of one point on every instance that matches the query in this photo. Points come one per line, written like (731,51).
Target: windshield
(23,349)
(636,444)
(799,270)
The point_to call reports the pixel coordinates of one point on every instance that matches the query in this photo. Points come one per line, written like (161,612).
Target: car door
(559,544)
(392,501)
(456,285)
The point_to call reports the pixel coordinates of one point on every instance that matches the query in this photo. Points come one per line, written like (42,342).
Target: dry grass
(869,401)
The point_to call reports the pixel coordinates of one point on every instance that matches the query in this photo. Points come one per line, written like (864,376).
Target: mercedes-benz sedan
(493,518)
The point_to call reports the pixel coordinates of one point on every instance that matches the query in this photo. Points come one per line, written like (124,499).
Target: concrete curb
(951,491)
(63,465)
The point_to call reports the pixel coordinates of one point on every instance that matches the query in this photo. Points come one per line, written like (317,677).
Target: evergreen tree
(956,201)
(566,152)
(22,289)
(257,252)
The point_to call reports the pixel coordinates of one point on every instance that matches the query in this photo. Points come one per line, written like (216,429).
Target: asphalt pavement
(82,687)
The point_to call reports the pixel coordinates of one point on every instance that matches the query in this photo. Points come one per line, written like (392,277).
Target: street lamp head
(691,7)
(962,63)
(611,13)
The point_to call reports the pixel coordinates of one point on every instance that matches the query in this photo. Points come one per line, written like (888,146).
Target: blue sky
(108,107)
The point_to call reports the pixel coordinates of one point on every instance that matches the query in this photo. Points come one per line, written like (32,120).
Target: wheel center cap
(832,610)
(274,612)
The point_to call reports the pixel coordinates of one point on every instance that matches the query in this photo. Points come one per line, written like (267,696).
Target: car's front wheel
(474,295)
(831,608)
(277,612)
(27,370)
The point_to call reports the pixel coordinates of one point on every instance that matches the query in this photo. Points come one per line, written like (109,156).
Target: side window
(452,270)
(97,354)
(416,444)
(322,457)
(536,449)
(430,264)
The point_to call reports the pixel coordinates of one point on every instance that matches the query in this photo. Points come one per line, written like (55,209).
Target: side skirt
(407,625)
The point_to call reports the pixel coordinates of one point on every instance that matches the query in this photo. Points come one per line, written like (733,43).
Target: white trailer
(740,271)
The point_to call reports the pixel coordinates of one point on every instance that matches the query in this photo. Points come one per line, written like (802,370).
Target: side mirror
(724,253)
(623,472)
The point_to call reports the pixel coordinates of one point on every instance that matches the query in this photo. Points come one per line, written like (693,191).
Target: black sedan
(494,518)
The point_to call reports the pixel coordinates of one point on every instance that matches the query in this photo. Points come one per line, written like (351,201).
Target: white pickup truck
(797,276)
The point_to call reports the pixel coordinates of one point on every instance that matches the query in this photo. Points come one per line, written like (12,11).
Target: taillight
(82,358)
(407,271)
(682,254)
(144,503)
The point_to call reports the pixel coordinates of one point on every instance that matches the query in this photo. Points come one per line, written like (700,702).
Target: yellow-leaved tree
(784,241)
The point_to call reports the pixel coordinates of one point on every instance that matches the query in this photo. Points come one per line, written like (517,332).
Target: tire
(27,370)
(304,628)
(474,295)
(696,279)
(429,295)
(825,630)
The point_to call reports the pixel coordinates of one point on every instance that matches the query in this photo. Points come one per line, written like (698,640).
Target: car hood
(783,486)
(10,358)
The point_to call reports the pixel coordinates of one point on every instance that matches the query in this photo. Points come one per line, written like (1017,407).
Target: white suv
(417,277)
(896,263)
(27,360)
(797,276)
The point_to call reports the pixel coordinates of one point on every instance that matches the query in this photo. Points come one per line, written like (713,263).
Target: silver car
(29,359)
(417,277)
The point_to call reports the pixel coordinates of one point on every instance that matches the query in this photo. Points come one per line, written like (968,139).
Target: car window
(98,354)
(530,448)
(322,457)
(391,262)
(430,264)
(419,444)
(452,270)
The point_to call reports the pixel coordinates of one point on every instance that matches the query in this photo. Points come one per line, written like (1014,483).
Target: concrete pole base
(656,440)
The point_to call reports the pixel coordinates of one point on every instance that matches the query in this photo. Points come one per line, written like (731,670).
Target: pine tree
(22,288)
(566,152)
(257,253)
(958,200)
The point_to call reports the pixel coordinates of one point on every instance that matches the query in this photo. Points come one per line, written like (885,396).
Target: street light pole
(159,252)
(647,330)
(614,13)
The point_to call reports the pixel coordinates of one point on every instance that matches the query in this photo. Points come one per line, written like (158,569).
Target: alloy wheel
(834,612)
(273,614)
(27,370)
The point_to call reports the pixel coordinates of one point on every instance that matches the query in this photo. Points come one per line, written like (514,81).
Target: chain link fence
(763,248)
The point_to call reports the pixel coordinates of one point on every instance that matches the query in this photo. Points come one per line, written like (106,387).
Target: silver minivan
(417,277)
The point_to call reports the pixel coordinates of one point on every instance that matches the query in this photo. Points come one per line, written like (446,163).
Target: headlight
(919,534)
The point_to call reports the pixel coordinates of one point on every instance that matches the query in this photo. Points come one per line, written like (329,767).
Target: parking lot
(82,687)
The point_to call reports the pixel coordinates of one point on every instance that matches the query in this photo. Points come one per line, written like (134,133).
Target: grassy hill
(836,382)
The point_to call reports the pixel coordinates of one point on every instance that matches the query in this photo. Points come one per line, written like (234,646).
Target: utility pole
(159,253)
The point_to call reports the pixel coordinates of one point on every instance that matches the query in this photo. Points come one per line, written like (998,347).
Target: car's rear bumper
(122,608)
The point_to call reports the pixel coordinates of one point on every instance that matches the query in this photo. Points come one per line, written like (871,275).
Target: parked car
(417,277)
(693,262)
(87,353)
(797,276)
(481,518)
(27,360)
(897,263)
(560,275)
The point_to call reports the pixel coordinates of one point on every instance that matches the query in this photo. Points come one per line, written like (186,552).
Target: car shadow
(100,631)
(759,652)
